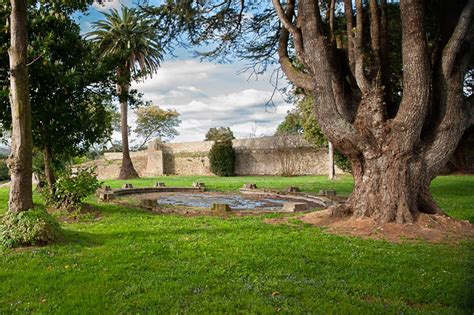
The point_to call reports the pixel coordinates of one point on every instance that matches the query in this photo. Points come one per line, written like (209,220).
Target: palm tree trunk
(20,160)
(127,171)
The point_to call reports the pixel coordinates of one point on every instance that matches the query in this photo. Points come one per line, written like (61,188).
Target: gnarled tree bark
(394,156)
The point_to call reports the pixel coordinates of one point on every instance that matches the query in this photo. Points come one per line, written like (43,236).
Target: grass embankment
(134,261)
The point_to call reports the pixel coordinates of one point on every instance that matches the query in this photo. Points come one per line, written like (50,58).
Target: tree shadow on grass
(83,239)
(93,239)
(114,208)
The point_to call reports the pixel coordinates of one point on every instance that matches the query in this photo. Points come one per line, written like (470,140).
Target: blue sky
(206,94)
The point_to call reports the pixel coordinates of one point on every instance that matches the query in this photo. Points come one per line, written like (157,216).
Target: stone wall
(258,156)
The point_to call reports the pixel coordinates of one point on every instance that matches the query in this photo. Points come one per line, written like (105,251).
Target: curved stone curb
(322,201)
(105,194)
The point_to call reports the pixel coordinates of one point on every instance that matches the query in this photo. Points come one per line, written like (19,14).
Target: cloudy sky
(207,94)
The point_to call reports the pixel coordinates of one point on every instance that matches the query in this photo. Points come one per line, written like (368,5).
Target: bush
(222,158)
(32,227)
(71,188)
(342,162)
(4,175)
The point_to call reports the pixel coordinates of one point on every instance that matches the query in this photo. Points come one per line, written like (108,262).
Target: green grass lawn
(131,261)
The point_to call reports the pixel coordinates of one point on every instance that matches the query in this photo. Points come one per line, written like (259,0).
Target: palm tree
(130,40)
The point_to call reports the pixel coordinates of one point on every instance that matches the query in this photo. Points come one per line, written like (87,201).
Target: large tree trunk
(388,188)
(396,150)
(391,175)
(127,171)
(20,160)
(48,168)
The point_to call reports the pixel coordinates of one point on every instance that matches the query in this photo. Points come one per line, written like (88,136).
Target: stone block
(293,189)
(327,192)
(159,184)
(126,185)
(148,203)
(104,196)
(250,186)
(199,185)
(220,208)
(294,206)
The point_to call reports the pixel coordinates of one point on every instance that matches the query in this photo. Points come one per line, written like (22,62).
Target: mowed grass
(132,261)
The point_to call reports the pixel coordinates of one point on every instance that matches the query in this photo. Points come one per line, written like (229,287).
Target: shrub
(32,227)
(4,175)
(222,158)
(71,188)
(342,162)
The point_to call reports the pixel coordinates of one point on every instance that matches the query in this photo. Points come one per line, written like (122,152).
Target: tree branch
(384,52)
(144,142)
(416,72)
(349,30)
(452,48)
(328,92)
(375,36)
(359,51)
(295,76)
(331,19)
(286,20)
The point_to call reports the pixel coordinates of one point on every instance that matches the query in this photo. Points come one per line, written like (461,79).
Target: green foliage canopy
(71,101)
(292,124)
(219,134)
(153,121)
(129,40)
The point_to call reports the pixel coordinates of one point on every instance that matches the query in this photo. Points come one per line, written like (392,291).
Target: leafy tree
(131,41)
(219,134)
(152,121)
(68,88)
(292,124)
(397,131)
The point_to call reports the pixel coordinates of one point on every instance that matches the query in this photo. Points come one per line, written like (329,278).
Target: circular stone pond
(205,200)
(235,201)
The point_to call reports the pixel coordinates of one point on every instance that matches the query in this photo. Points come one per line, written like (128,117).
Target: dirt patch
(430,228)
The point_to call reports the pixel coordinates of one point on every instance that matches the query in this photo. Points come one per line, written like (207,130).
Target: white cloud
(107,5)
(211,95)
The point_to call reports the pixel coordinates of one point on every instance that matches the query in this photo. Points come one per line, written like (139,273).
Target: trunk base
(127,171)
(388,189)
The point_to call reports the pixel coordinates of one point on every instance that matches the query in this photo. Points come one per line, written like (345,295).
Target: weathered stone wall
(259,156)
(109,168)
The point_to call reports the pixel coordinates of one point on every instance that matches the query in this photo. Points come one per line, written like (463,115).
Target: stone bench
(220,208)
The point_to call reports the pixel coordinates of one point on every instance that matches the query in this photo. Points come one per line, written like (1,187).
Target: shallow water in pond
(236,202)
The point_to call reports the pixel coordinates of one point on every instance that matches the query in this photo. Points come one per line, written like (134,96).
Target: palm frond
(132,39)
